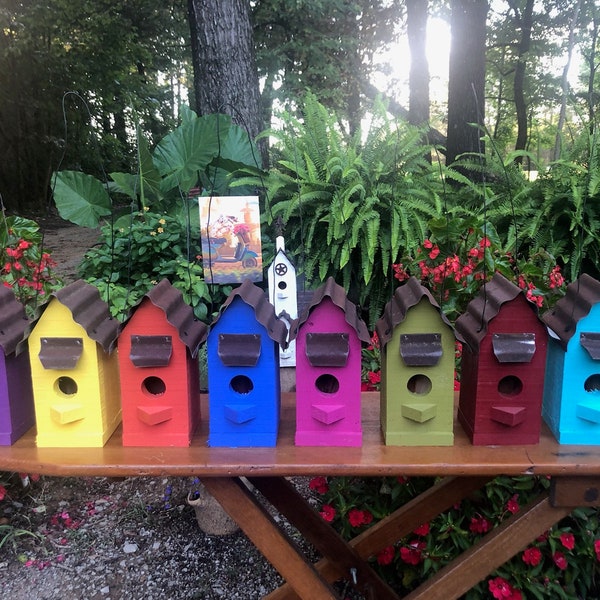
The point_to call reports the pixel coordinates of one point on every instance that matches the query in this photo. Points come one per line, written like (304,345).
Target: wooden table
(575,472)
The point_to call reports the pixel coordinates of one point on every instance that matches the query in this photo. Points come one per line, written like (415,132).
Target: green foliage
(351,206)
(562,563)
(134,257)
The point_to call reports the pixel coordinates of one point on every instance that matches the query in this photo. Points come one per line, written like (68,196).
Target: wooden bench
(575,472)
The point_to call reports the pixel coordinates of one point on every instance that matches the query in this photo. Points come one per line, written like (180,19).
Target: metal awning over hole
(327,349)
(514,347)
(591,342)
(239,349)
(421,349)
(60,353)
(151,350)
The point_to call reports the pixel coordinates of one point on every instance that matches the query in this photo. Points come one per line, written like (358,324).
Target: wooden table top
(373,458)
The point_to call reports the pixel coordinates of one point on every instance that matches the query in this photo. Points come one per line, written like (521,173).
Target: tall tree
(466,87)
(416,28)
(225,75)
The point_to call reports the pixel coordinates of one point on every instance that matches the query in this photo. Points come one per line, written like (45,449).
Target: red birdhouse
(159,370)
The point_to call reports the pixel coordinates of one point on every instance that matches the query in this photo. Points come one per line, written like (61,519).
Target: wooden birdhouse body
(75,380)
(159,376)
(502,378)
(417,385)
(328,367)
(16,395)
(243,371)
(571,404)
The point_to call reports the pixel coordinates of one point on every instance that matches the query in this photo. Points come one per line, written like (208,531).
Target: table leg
(400,523)
(266,535)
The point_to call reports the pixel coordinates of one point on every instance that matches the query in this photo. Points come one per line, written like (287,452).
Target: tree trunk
(225,75)
(466,85)
(418,79)
(526,21)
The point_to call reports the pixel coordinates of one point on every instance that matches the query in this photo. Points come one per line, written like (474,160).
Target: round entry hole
(66,386)
(510,386)
(241,384)
(419,384)
(327,384)
(592,383)
(154,386)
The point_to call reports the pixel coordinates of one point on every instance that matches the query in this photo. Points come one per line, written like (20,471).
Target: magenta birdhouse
(503,365)
(17,412)
(159,370)
(328,360)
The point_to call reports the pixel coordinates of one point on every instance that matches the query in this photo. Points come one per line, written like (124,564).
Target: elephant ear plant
(156,234)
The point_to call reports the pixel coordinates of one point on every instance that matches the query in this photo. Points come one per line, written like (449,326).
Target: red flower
(319,485)
(502,590)
(412,554)
(422,530)
(479,524)
(401,479)
(597,549)
(2,492)
(428,244)
(328,513)
(386,556)
(355,517)
(560,560)
(374,377)
(434,253)
(512,505)
(532,556)
(567,540)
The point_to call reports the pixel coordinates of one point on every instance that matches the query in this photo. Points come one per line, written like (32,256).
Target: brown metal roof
(264,311)
(472,324)
(405,297)
(580,297)
(91,312)
(14,324)
(336,293)
(169,299)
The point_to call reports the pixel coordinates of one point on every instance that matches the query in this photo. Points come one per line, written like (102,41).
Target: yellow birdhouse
(74,369)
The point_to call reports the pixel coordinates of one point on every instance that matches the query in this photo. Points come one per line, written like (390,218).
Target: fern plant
(352,206)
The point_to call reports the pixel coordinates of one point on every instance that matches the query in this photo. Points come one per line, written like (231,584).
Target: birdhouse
(283,294)
(159,370)
(571,405)
(503,365)
(17,413)
(417,370)
(243,370)
(75,370)
(328,361)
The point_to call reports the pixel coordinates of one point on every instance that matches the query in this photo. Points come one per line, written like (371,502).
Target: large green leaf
(80,198)
(185,152)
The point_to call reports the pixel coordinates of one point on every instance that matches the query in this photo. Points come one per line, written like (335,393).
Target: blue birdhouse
(243,370)
(571,404)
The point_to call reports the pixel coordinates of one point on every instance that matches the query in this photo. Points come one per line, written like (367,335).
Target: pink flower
(427,244)
(434,253)
(386,556)
(328,513)
(512,505)
(532,556)
(319,485)
(567,540)
(560,560)
(2,492)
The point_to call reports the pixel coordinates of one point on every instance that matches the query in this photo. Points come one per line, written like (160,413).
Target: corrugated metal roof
(91,312)
(405,297)
(14,324)
(472,324)
(169,299)
(580,297)
(264,311)
(336,293)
